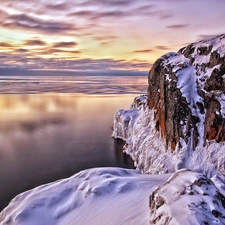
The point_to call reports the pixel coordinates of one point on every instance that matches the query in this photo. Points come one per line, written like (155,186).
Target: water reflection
(46,137)
(118,148)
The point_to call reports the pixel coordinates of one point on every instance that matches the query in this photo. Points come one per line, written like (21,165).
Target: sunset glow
(94,35)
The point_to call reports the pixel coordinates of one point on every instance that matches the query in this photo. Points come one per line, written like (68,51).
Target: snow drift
(116,196)
(97,196)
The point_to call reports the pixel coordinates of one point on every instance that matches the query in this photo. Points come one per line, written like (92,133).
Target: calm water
(63,128)
(73,84)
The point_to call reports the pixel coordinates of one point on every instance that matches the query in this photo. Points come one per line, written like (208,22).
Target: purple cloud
(58,6)
(23,21)
(68,64)
(55,51)
(68,44)
(205,36)
(22,50)
(177,26)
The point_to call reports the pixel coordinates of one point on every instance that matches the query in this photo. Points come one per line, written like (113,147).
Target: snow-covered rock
(187,198)
(125,119)
(116,196)
(183,125)
(97,196)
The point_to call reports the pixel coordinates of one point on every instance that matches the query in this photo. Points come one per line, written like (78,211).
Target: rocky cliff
(186,89)
(182,122)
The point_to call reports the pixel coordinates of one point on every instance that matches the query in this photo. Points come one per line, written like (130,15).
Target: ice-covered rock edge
(187,198)
(137,126)
(149,151)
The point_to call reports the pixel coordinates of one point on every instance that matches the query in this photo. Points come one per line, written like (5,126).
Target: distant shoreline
(16,72)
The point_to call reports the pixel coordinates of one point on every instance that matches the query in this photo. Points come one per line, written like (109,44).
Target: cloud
(112,3)
(161,47)
(5,45)
(3,15)
(111,14)
(101,14)
(150,10)
(22,50)
(104,37)
(143,51)
(117,10)
(69,44)
(205,36)
(177,26)
(51,51)
(74,17)
(58,6)
(118,2)
(25,22)
(35,43)
(104,43)
(164,15)
(72,64)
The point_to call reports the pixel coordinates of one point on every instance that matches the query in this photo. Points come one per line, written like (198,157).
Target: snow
(151,154)
(221,99)
(124,119)
(145,144)
(96,196)
(119,196)
(187,198)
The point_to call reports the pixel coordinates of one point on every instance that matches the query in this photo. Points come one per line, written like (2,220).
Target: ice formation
(182,122)
(187,198)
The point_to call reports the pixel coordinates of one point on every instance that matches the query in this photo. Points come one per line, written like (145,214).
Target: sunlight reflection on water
(63,128)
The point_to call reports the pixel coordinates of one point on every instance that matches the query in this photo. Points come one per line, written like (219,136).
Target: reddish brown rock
(174,115)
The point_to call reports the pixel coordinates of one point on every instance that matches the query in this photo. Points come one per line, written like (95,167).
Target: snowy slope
(115,196)
(100,196)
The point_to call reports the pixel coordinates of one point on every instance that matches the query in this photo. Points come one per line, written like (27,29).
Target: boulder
(187,198)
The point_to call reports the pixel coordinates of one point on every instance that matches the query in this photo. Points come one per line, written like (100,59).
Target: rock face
(187,198)
(182,122)
(186,90)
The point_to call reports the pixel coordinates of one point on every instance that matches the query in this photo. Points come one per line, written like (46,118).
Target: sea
(52,127)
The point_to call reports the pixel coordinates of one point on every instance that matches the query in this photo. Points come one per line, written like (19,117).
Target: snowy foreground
(116,196)
(92,197)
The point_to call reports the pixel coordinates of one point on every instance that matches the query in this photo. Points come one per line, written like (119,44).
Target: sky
(100,36)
